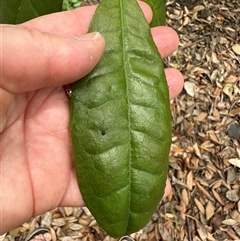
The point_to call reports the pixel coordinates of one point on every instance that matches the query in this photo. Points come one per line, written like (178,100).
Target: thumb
(32,59)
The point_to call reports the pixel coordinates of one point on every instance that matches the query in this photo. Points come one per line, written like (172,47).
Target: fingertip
(166,40)
(175,81)
(146,10)
(94,45)
(95,36)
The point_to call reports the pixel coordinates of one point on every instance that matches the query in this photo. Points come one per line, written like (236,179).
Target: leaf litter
(204,203)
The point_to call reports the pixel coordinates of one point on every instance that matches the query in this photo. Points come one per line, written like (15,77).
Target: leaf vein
(149,135)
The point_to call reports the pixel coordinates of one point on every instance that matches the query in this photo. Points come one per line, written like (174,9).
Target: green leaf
(18,11)
(159,12)
(121,122)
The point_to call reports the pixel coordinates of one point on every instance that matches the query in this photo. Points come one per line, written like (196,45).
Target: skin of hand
(38,58)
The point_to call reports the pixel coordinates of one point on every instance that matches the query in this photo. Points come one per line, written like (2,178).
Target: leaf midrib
(128,101)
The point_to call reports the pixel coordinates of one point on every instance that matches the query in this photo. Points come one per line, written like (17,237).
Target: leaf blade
(19,11)
(159,12)
(120,109)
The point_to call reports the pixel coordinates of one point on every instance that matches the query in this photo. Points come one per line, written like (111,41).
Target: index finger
(72,23)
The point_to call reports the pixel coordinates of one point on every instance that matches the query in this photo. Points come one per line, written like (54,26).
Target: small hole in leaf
(103,133)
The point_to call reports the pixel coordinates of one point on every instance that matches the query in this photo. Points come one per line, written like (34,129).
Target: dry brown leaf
(213,137)
(217,220)
(238,206)
(229,205)
(198,8)
(181,234)
(217,197)
(177,149)
(165,234)
(32,225)
(83,222)
(206,146)
(185,197)
(232,235)
(210,237)
(237,229)
(231,79)
(199,205)
(236,48)
(181,174)
(168,224)
(86,211)
(229,222)
(16,231)
(68,211)
(190,88)
(235,215)
(235,162)
(186,21)
(226,185)
(53,234)
(70,219)
(57,214)
(75,226)
(2,237)
(170,215)
(235,111)
(232,195)
(214,58)
(190,180)
(209,210)
(228,89)
(183,209)
(176,181)
(202,231)
(231,175)
(201,117)
(196,150)
(46,219)
(58,222)
(203,191)
(216,184)
(211,167)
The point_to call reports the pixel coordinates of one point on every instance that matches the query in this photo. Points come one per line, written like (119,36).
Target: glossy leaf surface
(121,122)
(19,11)
(159,12)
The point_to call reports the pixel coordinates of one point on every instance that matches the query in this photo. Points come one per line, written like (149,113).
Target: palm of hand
(37,159)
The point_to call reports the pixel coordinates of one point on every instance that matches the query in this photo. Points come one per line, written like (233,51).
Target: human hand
(40,56)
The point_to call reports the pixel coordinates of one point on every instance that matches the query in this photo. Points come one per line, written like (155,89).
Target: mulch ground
(205,154)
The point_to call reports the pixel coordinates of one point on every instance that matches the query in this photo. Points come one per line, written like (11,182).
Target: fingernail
(89,36)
